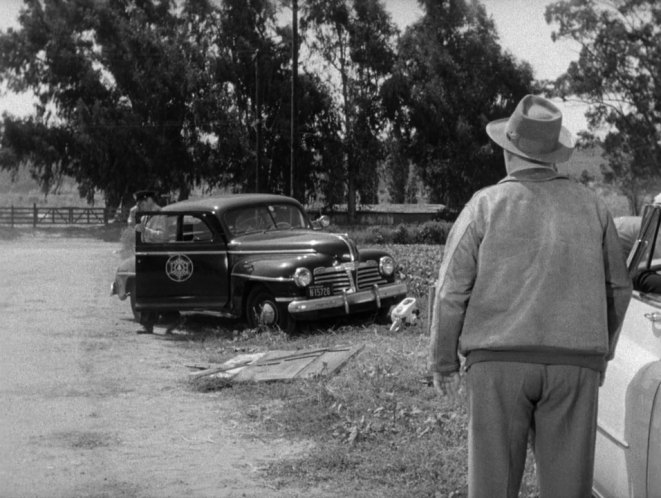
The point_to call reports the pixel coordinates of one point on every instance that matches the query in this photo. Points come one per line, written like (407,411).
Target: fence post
(12,216)
(35,215)
(105,215)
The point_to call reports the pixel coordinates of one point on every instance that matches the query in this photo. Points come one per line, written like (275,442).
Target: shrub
(378,235)
(432,232)
(401,235)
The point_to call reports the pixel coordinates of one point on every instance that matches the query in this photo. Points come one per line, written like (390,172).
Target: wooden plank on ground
(285,365)
(329,362)
(282,365)
(230,368)
(274,365)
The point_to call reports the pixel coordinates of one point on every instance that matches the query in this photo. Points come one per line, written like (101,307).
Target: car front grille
(369,276)
(340,278)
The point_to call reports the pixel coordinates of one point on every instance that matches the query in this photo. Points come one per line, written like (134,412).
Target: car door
(181,263)
(627,397)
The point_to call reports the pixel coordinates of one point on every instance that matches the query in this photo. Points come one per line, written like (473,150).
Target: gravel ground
(90,408)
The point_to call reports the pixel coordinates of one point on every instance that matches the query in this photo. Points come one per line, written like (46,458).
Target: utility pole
(258,122)
(294,95)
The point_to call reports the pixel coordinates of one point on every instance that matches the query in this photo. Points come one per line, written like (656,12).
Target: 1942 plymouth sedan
(628,452)
(253,256)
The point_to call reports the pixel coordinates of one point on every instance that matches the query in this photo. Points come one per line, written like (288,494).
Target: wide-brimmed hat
(534,131)
(141,195)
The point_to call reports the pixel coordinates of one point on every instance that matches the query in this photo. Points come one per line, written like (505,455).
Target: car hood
(298,241)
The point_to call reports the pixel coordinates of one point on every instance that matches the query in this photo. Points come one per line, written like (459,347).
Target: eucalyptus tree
(351,41)
(257,49)
(618,73)
(451,78)
(115,83)
(160,94)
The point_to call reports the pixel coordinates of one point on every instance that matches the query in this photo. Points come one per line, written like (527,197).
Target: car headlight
(386,266)
(302,277)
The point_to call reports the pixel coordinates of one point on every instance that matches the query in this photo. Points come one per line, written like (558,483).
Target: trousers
(553,406)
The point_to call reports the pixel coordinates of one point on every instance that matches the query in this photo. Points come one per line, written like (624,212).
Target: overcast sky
(520,25)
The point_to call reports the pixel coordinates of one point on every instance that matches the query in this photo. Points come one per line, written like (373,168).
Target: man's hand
(447,385)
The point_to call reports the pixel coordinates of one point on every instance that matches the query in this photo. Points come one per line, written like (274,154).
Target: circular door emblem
(179,268)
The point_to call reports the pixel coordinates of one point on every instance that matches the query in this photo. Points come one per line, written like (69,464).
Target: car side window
(160,228)
(176,228)
(194,229)
(645,267)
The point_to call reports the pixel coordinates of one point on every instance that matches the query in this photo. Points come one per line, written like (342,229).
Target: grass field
(376,428)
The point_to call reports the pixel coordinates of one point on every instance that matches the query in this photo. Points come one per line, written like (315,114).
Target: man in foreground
(532,291)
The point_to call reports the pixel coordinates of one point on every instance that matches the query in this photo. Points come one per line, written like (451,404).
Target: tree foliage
(181,94)
(618,73)
(451,78)
(354,39)
(153,93)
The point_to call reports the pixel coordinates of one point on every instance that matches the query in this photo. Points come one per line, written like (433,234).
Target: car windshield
(265,218)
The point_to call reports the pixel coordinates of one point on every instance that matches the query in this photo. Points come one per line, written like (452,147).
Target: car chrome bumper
(347,300)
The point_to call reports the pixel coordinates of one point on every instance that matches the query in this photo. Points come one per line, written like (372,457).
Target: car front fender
(124,273)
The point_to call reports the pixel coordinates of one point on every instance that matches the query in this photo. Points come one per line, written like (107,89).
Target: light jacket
(532,271)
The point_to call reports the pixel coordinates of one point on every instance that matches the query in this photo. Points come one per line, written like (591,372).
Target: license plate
(320,291)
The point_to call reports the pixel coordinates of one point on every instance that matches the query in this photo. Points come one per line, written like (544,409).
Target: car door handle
(653,317)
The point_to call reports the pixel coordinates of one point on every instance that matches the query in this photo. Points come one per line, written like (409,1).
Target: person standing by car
(531,293)
(145,201)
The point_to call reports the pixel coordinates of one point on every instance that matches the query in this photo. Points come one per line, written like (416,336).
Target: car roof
(227,201)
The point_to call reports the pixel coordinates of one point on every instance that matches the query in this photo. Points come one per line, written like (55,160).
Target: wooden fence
(40,215)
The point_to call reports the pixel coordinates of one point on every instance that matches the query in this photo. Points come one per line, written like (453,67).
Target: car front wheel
(263,311)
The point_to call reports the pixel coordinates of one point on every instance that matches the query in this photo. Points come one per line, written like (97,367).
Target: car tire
(137,315)
(263,311)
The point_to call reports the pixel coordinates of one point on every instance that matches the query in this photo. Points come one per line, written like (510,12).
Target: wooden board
(285,365)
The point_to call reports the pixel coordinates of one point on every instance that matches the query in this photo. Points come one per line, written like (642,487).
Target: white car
(628,452)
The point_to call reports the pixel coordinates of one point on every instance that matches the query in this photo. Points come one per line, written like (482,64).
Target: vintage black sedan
(253,256)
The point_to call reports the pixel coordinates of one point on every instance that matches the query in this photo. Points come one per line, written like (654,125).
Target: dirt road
(89,408)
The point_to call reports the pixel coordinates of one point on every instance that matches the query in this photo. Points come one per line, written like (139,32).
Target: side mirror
(322,222)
